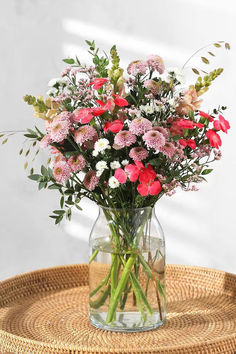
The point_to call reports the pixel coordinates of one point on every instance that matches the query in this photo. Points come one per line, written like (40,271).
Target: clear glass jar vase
(127,270)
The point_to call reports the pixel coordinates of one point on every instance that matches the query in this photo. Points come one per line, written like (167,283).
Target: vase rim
(125,209)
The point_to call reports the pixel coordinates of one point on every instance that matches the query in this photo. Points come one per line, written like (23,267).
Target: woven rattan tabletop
(46,311)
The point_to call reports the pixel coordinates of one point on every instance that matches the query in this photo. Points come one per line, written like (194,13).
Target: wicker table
(46,311)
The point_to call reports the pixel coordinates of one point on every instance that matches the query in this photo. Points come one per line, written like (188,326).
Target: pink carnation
(138,153)
(91,180)
(59,129)
(85,133)
(124,138)
(156,63)
(154,139)
(140,126)
(77,163)
(45,141)
(61,171)
(168,149)
(137,67)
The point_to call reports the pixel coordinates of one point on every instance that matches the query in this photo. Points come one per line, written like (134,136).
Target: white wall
(34,36)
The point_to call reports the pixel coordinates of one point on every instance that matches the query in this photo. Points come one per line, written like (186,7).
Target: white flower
(178,73)
(99,173)
(124,162)
(95,153)
(114,165)
(59,81)
(101,145)
(52,91)
(101,165)
(148,109)
(113,182)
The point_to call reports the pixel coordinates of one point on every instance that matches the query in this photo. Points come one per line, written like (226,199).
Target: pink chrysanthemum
(46,140)
(61,171)
(156,63)
(137,67)
(66,116)
(59,129)
(59,158)
(138,153)
(154,139)
(91,180)
(162,131)
(140,126)
(168,149)
(85,133)
(77,163)
(124,138)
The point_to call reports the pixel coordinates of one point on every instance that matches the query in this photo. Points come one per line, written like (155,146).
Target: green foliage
(100,63)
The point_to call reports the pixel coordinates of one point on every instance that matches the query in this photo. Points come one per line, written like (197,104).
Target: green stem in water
(101,300)
(120,287)
(93,256)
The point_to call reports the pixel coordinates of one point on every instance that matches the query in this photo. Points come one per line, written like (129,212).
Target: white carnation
(124,162)
(59,80)
(114,165)
(101,145)
(101,165)
(113,182)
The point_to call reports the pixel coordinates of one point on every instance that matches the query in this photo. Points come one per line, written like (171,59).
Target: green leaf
(176,137)
(68,61)
(31,171)
(154,162)
(217,45)
(26,165)
(205,60)
(59,212)
(54,186)
(78,207)
(1,135)
(195,71)
(59,219)
(42,185)
(27,152)
(212,54)
(34,177)
(44,171)
(5,141)
(62,201)
(227,46)
(207,171)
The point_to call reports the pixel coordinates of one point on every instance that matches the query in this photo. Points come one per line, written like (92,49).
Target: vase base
(126,322)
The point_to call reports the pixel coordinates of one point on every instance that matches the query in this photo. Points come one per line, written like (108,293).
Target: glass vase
(127,270)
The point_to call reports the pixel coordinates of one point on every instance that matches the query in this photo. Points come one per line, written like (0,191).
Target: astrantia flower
(221,124)
(84,133)
(115,126)
(101,165)
(77,163)
(83,115)
(138,153)
(137,67)
(113,182)
(114,165)
(98,82)
(155,63)
(154,139)
(91,180)
(168,149)
(45,141)
(140,126)
(214,138)
(59,130)
(124,138)
(61,171)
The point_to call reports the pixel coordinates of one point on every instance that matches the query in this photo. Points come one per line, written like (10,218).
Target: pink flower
(138,153)
(140,126)
(205,115)
(91,180)
(120,175)
(98,111)
(98,82)
(154,139)
(77,163)
(133,171)
(59,130)
(115,126)
(120,101)
(155,63)
(161,130)
(168,149)
(153,86)
(221,124)
(124,138)
(85,133)
(214,138)
(137,67)
(152,188)
(188,124)
(190,142)
(83,115)
(61,171)
(45,141)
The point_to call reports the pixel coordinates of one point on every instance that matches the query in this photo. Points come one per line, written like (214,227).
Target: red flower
(120,175)
(147,174)
(190,142)
(98,111)
(221,124)
(133,171)
(214,138)
(120,101)
(152,188)
(84,115)
(188,124)
(205,115)
(114,126)
(97,83)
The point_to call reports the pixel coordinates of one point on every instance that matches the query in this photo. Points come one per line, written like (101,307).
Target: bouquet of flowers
(124,141)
